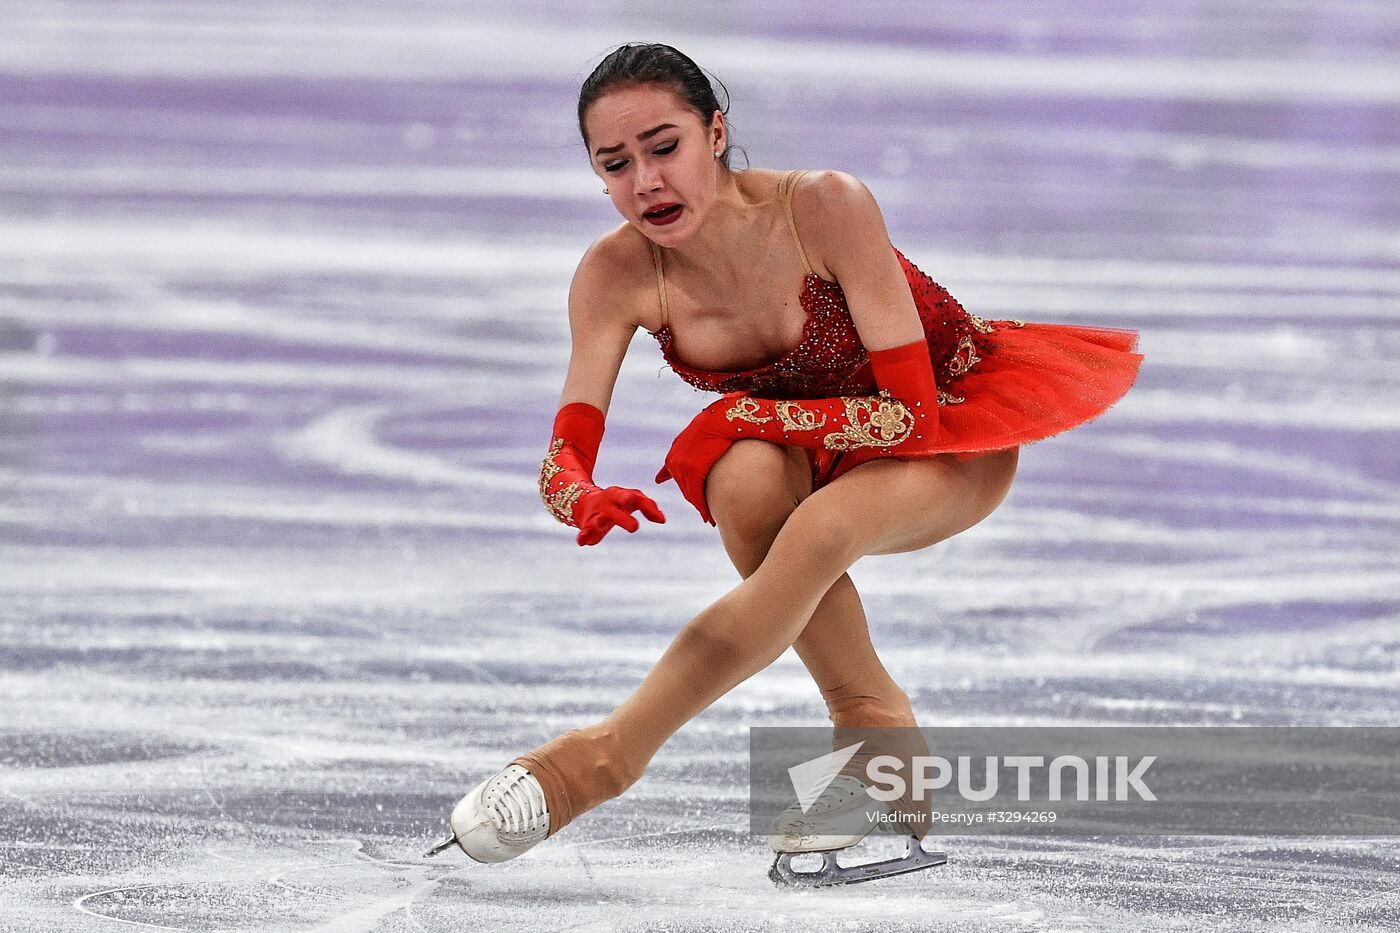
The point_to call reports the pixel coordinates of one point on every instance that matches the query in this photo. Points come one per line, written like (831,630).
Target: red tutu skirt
(1031,382)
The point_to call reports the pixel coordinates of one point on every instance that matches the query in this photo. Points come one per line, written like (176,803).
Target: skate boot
(502,818)
(840,818)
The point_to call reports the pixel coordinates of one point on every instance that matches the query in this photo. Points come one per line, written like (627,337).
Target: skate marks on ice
(625,885)
(1012,885)
(355,889)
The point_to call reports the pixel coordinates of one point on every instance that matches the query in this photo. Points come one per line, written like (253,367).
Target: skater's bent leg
(752,491)
(880,507)
(875,508)
(885,507)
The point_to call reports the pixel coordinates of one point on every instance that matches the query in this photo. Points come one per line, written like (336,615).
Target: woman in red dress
(863,411)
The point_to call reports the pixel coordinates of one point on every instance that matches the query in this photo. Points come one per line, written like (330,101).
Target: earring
(605,189)
(717,155)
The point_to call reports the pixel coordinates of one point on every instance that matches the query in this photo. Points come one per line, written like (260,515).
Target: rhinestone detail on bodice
(830,360)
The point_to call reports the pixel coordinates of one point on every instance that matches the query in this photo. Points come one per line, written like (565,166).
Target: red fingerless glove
(901,419)
(566,479)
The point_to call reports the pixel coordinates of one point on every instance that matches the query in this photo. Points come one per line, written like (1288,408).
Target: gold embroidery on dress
(979,325)
(886,417)
(561,503)
(796,418)
(746,409)
(1012,322)
(964,357)
(948,398)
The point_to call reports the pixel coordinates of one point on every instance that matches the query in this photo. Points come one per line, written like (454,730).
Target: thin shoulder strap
(656,261)
(785,186)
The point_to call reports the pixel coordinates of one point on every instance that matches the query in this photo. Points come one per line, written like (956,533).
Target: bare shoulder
(829,184)
(835,211)
(614,281)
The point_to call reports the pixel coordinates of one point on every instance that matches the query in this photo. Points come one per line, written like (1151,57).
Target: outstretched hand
(601,511)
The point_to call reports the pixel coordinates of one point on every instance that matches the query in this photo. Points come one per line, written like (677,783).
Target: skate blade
(441,846)
(832,874)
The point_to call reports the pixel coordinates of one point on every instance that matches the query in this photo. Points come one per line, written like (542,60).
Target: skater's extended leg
(882,507)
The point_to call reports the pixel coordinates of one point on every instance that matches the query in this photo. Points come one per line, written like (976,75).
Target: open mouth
(664,214)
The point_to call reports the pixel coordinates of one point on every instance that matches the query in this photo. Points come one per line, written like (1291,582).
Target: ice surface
(282,333)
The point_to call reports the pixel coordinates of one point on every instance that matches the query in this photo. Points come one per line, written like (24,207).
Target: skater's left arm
(844,230)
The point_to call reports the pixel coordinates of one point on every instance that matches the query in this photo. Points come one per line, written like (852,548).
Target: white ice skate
(840,818)
(502,818)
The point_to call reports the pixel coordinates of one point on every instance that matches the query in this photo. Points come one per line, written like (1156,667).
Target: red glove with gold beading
(566,479)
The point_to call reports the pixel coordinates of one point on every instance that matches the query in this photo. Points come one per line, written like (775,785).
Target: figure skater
(862,411)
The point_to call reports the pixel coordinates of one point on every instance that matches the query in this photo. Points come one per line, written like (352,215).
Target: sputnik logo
(811,778)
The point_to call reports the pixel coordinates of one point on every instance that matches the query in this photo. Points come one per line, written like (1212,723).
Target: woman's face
(657,158)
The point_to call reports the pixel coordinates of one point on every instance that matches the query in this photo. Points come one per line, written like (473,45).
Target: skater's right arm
(602,325)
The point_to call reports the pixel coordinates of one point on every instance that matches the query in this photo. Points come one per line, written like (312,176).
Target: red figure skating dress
(1001,383)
